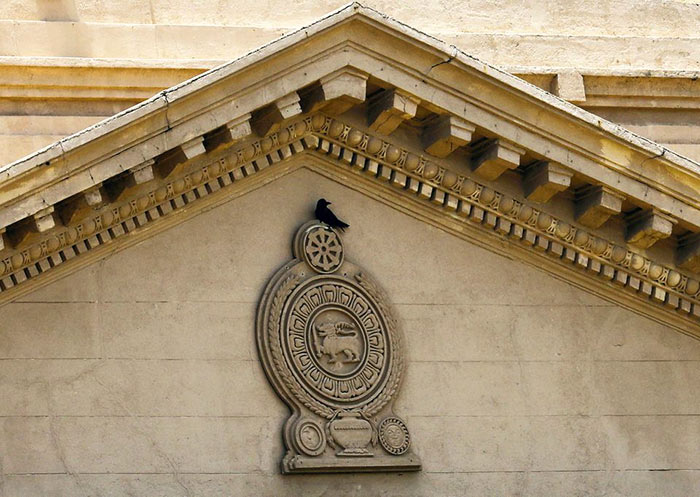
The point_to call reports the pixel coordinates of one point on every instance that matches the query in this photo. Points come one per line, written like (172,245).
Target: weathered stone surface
(387,110)
(491,158)
(143,172)
(145,366)
(595,205)
(81,287)
(143,330)
(551,483)
(645,228)
(569,85)
(268,119)
(42,329)
(337,92)
(446,135)
(543,180)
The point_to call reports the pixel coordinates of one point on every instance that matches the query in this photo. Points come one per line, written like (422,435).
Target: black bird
(325,215)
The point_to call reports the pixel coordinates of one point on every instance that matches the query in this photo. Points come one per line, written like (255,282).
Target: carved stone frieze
(332,350)
(506,216)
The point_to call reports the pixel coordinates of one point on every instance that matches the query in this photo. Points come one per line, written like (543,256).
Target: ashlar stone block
(569,85)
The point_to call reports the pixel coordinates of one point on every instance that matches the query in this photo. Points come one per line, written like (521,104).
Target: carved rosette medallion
(394,436)
(331,348)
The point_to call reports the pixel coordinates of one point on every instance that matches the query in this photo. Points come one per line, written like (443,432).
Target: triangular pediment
(392,112)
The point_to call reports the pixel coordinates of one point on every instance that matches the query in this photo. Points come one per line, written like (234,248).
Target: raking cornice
(195,145)
(417,185)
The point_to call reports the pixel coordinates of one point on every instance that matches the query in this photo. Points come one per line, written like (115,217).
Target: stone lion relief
(331,349)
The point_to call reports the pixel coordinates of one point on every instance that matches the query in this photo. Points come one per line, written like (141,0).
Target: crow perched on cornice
(325,215)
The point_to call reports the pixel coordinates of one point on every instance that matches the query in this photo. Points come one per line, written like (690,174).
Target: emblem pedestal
(331,348)
(303,464)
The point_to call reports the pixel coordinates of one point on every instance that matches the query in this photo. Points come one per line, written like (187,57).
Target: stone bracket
(93,197)
(595,204)
(389,109)
(194,147)
(239,128)
(75,208)
(446,135)
(491,158)
(337,92)
(166,163)
(44,219)
(645,228)
(143,172)
(40,222)
(267,120)
(544,179)
(231,132)
(688,252)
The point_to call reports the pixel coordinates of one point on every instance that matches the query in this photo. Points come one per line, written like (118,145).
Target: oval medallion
(309,437)
(335,343)
(393,435)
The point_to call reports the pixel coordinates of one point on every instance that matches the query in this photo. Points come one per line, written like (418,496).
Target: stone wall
(620,34)
(67,64)
(139,375)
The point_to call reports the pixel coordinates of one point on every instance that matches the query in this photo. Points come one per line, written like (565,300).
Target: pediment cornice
(419,185)
(433,131)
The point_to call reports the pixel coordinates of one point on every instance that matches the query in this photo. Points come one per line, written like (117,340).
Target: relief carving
(331,348)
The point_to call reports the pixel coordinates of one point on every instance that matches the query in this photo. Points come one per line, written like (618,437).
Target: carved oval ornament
(309,437)
(332,350)
(394,436)
(337,343)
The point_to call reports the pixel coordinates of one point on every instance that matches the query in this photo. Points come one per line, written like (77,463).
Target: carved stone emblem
(331,348)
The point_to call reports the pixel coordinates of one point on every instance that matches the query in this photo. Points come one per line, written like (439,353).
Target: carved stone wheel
(322,249)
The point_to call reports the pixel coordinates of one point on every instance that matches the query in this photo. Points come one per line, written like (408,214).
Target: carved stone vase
(352,433)
(332,350)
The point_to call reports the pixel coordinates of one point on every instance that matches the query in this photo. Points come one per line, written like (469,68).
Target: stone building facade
(534,299)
